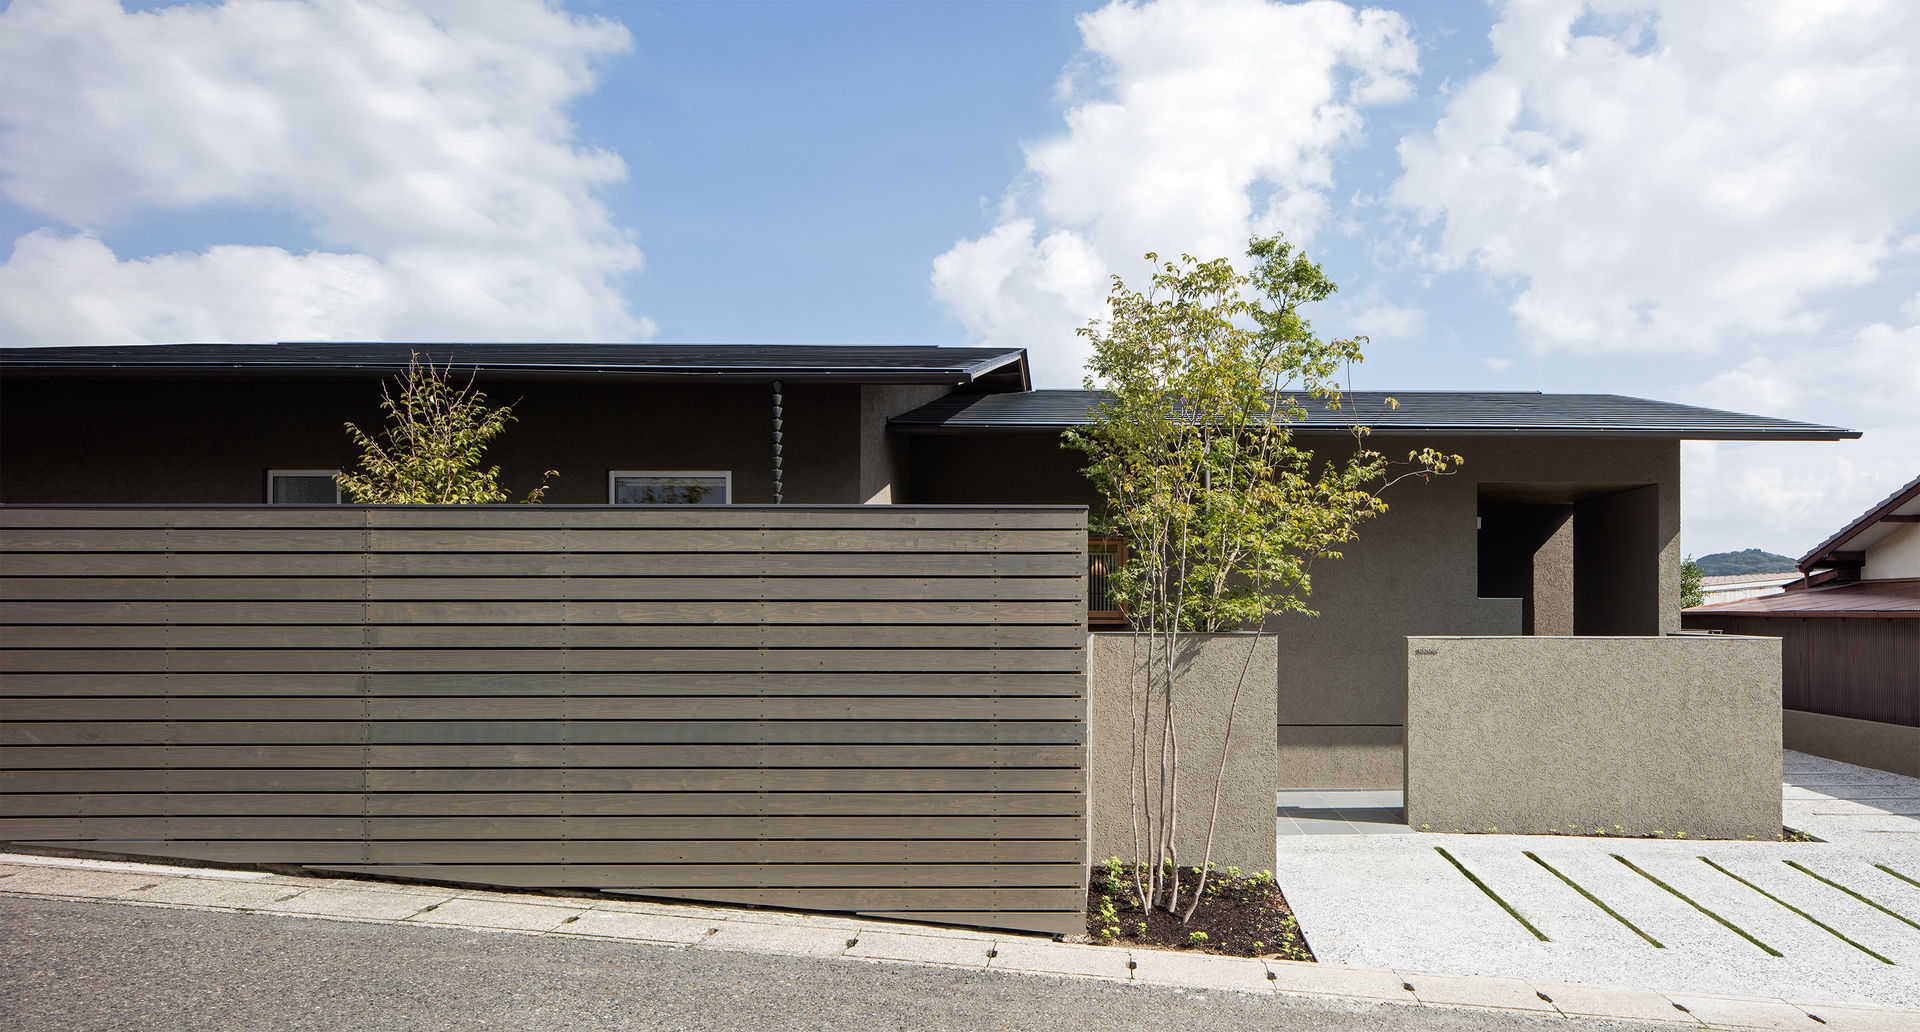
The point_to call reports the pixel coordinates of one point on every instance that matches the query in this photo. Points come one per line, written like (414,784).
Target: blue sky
(1704,203)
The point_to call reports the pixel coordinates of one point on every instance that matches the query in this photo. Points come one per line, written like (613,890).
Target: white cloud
(1789,497)
(427,153)
(1194,125)
(1660,175)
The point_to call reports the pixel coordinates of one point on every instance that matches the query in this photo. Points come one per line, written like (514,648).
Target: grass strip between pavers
(1823,926)
(1492,895)
(1883,909)
(1684,898)
(1897,874)
(1593,899)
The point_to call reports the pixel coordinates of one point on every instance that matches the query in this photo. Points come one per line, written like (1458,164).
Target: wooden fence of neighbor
(855,708)
(1864,667)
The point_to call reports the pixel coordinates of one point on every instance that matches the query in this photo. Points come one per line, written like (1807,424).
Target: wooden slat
(114,829)
(582,804)
(572,541)
(159,660)
(558,708)
(480,564)
(583,588)
(572,756)
(670,779)
(302,851)
(467,517)
(453,732)
(868,709)
(1055,634)
(555,683)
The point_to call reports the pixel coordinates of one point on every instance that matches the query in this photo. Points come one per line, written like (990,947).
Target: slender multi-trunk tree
(1205,373)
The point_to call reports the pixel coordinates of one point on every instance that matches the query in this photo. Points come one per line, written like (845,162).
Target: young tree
(1193,453)
(435,437)
(1692,584)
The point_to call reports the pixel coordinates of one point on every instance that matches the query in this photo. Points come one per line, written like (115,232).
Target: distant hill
(1747,560)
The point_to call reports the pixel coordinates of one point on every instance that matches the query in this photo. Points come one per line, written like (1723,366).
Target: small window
(302,487)
(1105,557)
(669,487)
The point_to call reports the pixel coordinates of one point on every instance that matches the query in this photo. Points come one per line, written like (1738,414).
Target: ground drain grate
(1492,895)
(1684,898)
(1817,923)
(1855,895)
(1593,899)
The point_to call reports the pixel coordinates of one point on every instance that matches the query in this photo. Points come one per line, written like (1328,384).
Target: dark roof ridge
(1873,515)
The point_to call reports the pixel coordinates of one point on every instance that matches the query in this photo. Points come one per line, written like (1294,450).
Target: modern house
(855,675)
(1564,519)
(1850,630)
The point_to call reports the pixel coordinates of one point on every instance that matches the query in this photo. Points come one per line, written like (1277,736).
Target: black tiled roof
(1453,412)
(867,364)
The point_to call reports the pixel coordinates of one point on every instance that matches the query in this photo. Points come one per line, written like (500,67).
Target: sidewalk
(778,933)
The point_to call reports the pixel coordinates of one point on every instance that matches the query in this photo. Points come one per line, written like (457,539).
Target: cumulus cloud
(1661,175)
(1790,497)
(1191,125)
(427,154)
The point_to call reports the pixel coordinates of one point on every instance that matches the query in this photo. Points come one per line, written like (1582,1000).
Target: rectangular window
(302,487)
(669,487)
(1105,557)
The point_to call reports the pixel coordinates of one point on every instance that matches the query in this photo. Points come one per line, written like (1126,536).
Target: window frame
(614,475)
(275,474)
(1111,619)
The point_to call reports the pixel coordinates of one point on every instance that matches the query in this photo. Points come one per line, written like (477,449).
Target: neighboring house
(1564,519)
(1850,629)
(1733,587)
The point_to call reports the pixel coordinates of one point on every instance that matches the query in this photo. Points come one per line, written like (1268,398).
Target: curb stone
(789,934)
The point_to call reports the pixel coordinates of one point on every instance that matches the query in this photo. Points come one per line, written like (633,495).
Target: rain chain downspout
(776,443)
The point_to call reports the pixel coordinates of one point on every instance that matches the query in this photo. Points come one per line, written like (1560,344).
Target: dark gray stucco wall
(885,457)
(1679,735)
(1209,668)
(1415,570)
(212,441)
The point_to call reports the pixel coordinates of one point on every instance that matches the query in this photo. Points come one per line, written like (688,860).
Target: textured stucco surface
(1674,734)
(1414,570)
(1864,743)
(1208,668)
(1332,756)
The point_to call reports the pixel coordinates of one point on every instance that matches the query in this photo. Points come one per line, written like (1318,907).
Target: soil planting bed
(1240,916)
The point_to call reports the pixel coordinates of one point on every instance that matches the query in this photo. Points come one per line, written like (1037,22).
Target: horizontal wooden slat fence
(861,708)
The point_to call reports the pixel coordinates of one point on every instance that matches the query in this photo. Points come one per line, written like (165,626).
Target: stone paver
(947,951)
(614,924)
(1053,959)
(1331,980)
(493,913)
(1199,969)
(1724,1012)
(1607,1001)
(790,939)
(1500,993)
(375,906)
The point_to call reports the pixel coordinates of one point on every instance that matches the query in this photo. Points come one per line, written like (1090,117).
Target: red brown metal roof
(1890,598)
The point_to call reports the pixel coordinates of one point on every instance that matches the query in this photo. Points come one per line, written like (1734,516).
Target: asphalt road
(101,967)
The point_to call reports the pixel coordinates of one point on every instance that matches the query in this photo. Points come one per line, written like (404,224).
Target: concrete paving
(1823,924)
(1425,996)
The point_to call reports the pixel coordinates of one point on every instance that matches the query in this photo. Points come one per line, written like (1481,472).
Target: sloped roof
(1865,532)
(1892,598)
(1452,412)
(1006,368)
